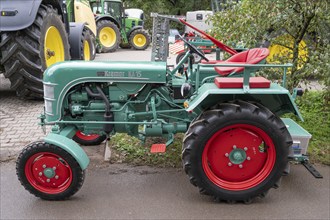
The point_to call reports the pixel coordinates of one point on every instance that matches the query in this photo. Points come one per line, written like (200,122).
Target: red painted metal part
(86,137)
(256,167)
(237,82)
(215,41)
(158,148)
(34,172)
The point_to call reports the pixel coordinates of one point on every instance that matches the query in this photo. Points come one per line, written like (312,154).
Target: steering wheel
(194,49)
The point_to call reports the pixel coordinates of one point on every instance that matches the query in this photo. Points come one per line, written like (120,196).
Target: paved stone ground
(19,123)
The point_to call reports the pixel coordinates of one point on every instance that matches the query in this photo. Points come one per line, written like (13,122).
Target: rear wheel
(139,39)
(109,36)
(88,139)
(236,152)
(27,53)
(48,171)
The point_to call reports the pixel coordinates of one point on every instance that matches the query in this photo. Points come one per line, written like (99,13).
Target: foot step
(158,148)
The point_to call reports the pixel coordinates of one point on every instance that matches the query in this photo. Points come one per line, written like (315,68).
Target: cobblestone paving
(19,123)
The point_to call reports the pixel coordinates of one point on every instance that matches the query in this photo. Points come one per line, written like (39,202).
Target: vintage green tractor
(236,146)
(114,29)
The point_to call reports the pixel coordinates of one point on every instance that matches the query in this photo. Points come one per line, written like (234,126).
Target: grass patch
(129,149)
(317,122)
(316,114)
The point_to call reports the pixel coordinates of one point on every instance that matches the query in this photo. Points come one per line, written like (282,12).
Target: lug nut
(44,166)
(234,146)
(229,164)
(240,166)
(54,168)
(248,158)
(245,148)
(56,177)
(40,173)
(48,180)
(226,154)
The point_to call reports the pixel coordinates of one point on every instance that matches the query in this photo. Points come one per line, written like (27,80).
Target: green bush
(316,116)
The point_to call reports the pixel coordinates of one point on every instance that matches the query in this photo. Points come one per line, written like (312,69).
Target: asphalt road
(123,192)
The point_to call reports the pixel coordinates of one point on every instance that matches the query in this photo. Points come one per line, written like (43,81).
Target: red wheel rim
(238,157)
(86,137)
(48,173)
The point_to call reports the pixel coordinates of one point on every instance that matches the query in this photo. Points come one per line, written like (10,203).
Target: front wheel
(236,151)
(49,172)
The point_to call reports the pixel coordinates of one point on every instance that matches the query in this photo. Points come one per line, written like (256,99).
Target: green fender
(69,146)
(276,98)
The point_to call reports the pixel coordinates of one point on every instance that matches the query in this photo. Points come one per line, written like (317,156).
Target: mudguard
(76,30)
(63,141)
(18,15)
(276,98)
(107,17)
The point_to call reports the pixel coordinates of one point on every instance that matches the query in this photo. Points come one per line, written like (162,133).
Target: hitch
(312,170)
(303,159)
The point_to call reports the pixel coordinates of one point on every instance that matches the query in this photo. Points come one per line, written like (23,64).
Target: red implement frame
(215,41)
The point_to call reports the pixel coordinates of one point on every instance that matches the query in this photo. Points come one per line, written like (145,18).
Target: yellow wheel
(139,39)
(87,51)
(109,36)
(27,53)
(54,48)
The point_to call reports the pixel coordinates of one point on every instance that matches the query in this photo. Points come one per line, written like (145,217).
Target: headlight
(48,106)
(48,91)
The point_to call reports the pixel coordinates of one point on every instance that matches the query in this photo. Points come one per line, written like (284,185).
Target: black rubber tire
(145,34)
(95,141)
(78,175)
(90,38)
(221,116)
(87,36)
(23,53)
(104,24)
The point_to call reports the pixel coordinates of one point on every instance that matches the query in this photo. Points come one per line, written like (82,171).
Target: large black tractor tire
(139,39)
(88,140)
(48,171)
(27,53)
(92,43)
(108,35)
(88,50)
(236,151)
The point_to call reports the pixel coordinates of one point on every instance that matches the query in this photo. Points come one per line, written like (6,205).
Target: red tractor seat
(252,56)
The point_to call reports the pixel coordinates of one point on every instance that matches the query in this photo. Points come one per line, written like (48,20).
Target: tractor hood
(61,77)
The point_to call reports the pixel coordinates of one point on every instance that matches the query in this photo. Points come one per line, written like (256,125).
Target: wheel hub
(49,172)
(237,156)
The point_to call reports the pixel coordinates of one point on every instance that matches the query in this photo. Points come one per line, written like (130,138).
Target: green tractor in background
(114,29)
(37,34)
